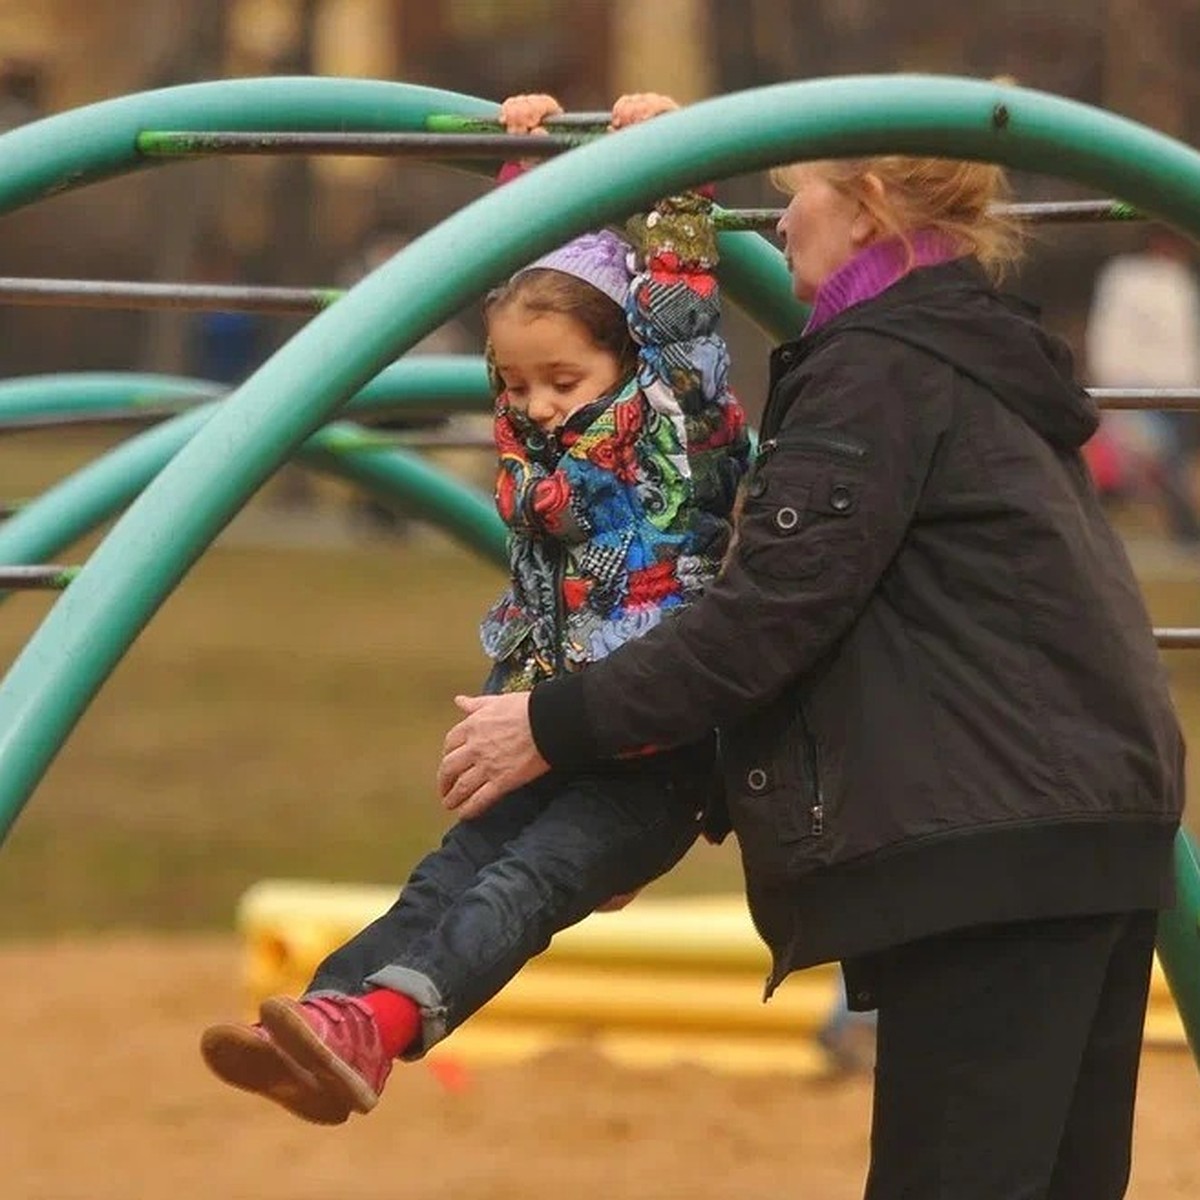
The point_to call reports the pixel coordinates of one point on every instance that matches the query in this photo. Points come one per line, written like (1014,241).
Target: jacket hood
(952,312)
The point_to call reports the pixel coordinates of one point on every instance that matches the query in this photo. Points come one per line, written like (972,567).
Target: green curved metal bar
(72,149)
(415,383)
(92,495)
(152,546)
(1179,939)
(69,150)
(93,391)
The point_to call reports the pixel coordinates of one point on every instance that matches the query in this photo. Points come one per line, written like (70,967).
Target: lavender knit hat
(600,258)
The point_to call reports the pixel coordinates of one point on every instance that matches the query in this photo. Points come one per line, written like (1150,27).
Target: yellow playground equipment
(661,981)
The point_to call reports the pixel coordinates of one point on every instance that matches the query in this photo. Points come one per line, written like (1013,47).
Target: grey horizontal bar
(1032,212)
(108,293)
(1178,639)
(487,146)
(47,578)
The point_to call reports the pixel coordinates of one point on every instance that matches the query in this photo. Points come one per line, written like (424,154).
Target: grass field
(282,716)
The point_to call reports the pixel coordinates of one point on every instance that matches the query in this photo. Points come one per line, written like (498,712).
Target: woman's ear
(866,228)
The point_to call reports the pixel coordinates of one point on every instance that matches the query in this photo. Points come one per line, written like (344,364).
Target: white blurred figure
(1144,332)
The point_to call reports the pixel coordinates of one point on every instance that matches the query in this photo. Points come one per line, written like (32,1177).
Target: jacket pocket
(773,792)
(802,481)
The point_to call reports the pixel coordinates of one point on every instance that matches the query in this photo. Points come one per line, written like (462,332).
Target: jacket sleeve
(674,302)
(674,310)
(826,509)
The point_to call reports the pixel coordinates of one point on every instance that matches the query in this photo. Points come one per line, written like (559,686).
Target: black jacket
(939,696)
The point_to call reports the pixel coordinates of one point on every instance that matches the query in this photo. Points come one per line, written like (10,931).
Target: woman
(950,756)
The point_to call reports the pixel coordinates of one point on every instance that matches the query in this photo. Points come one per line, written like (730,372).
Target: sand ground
(103,1097)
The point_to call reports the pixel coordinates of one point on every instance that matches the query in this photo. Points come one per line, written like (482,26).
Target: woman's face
(822,228)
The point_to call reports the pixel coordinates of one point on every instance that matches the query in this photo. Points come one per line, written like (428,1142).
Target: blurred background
(283,714)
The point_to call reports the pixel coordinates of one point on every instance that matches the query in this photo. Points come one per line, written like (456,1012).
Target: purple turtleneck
(874,270)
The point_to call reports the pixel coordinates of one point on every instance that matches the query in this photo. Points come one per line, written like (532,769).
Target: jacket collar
(874,270)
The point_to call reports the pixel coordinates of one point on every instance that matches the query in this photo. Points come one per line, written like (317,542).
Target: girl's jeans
(475,910)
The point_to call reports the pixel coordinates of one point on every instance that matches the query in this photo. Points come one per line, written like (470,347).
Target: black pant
(1007,1061)
(500,886)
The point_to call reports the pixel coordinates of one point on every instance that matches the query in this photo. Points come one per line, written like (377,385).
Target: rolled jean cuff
(424,993)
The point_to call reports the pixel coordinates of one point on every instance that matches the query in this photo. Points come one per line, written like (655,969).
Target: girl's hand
(638,107)
(525,114)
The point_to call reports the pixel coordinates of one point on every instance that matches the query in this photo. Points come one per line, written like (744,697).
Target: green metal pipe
(83,416)
(45,526)
(92,391)
(71,149)
(1179,939)
(94,494)
(399,478)
(423,383)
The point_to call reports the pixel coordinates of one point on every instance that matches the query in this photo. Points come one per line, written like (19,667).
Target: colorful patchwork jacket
(624,514)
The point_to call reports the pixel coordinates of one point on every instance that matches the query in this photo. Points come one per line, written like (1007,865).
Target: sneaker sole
(285,1020)
(245,1061)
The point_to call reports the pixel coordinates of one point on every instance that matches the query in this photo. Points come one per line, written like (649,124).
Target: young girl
(620,453)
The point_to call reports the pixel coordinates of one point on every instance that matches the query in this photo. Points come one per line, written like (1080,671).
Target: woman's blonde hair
(956,198)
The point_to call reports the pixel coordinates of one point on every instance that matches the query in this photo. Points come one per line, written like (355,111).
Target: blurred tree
(1149,62)
(495,48)
(189,39)
(291,253)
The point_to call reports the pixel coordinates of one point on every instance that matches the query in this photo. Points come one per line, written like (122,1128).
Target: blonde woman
(950,756)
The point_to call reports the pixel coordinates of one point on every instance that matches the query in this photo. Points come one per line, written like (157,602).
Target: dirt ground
(103,1097)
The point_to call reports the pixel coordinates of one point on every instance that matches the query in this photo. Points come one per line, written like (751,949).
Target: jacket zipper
(550,451)
(816,810)
(829,443)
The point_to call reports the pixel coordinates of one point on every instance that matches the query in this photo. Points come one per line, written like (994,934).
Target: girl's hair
(954,197)
(541,290)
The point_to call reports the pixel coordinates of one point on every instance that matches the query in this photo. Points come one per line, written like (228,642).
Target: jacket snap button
(756,779)
(786,519)
(840,497)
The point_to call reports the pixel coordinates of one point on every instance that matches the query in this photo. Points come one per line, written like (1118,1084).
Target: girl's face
(822,228)
(549,364)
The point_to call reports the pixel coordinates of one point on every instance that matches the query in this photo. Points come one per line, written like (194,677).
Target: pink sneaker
(335,1038)
(247,1057)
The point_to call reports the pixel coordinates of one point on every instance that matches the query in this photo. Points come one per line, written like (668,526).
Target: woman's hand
(639,106)
(525,114)
(488,754)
